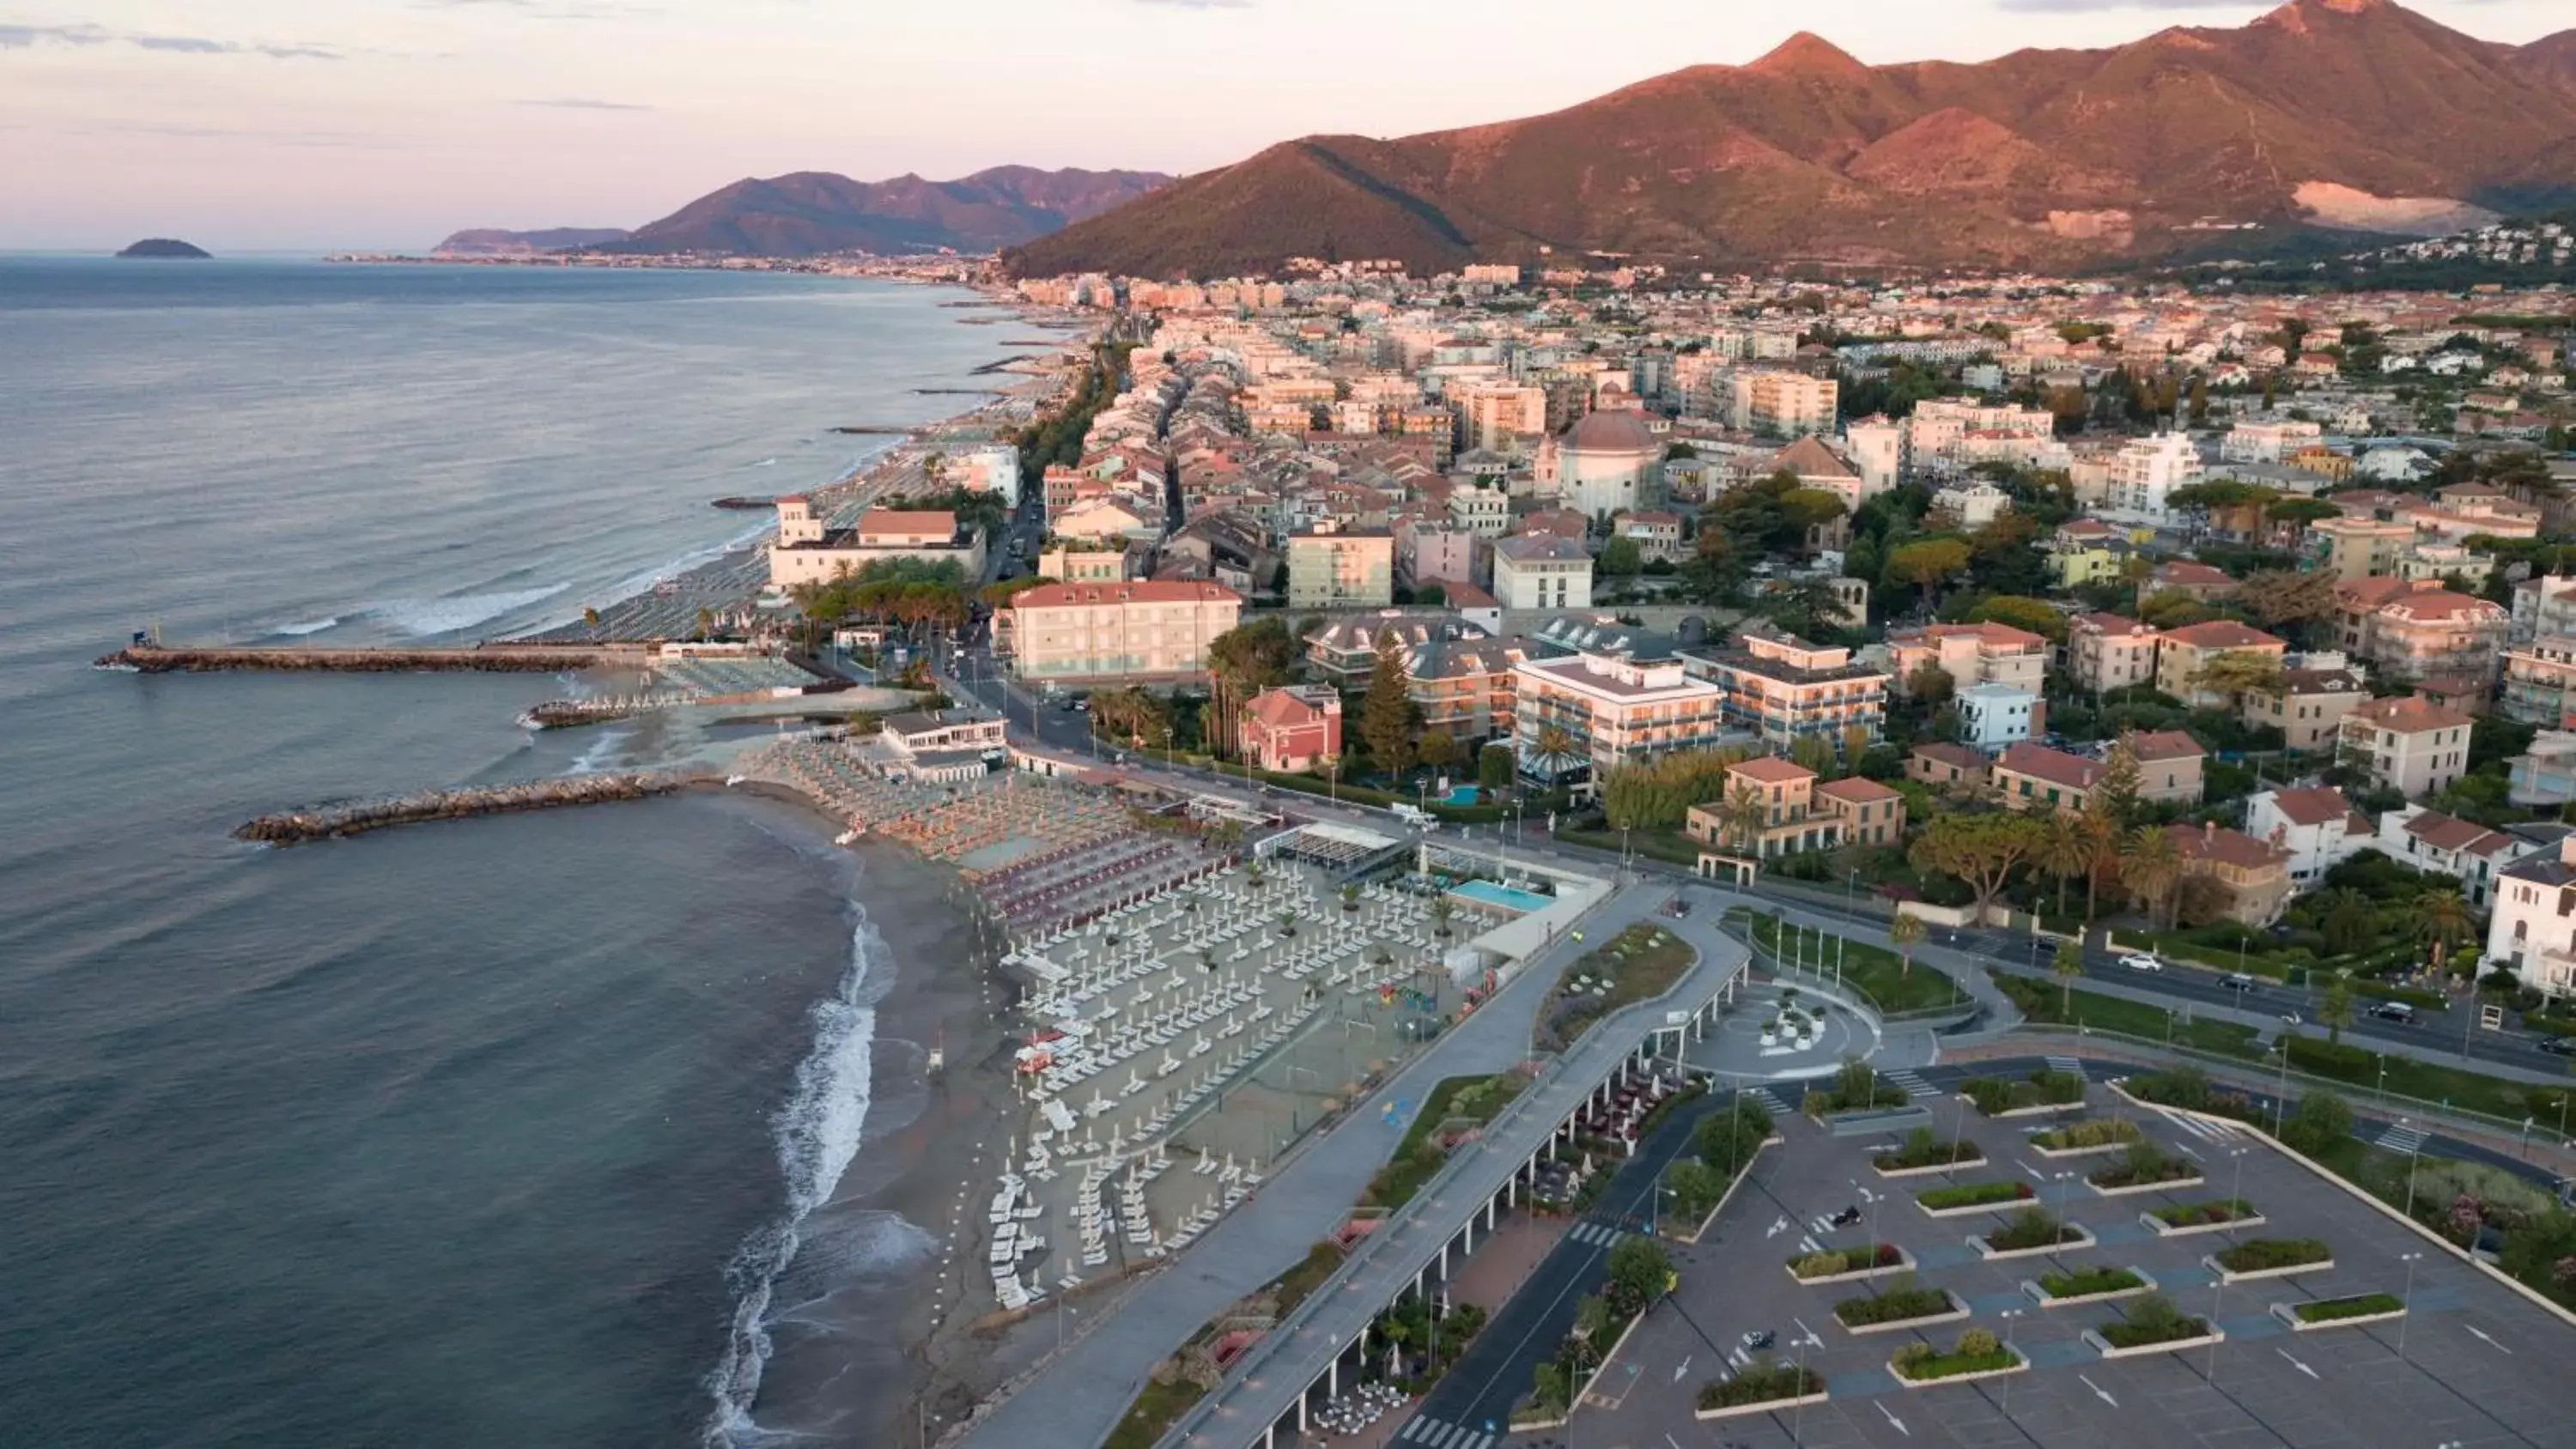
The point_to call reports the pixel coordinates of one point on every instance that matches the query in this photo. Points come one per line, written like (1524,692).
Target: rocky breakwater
(302,826)
(481,658)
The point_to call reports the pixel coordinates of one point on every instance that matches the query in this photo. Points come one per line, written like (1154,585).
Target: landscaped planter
(2250,1275)
(2164,1229)
(1952,1314)
(2024,1196)
(2289,1313)
(2106,1349)
(2079,1239)
(1904,1263)
(1763,1406)
(2020,1364)
(2129,1189)
(2044,1109)
(2038,1292)
(2096,1150)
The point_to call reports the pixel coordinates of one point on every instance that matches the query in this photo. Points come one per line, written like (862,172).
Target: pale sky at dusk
(246,124)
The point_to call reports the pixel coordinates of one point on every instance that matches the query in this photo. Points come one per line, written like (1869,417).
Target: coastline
(927,1142)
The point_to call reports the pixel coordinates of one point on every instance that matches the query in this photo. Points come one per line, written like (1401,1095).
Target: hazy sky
(243,124)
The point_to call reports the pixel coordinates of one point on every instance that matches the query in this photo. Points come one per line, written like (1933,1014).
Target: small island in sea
(166,247)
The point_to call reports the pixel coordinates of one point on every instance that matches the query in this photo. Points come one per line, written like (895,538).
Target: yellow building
(1113,631)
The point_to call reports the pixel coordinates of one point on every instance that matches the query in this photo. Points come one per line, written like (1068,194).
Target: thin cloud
(581,103)
(28,37)
(1199,4)
(2086,7)
(545,9)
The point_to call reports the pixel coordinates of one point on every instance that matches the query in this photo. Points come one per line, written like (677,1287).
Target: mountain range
(2333,114)
(812,212)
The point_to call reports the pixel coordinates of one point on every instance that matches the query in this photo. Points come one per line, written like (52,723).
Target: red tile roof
(2153,745)
(2311,807)
(1136,591)
(1771,770)
(2224,634)
(1858,791)
(2054,766)
(2228,847)
(2409,715)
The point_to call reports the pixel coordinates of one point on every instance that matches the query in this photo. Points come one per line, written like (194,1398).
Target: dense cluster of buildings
(1505,487)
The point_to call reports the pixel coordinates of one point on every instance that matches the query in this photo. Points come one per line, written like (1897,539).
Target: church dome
(1611,432)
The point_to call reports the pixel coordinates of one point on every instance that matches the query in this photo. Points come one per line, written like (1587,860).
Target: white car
(2142,962)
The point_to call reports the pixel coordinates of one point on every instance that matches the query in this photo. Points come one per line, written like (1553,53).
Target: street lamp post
(2235,1191)
(2281,1095)
(2009,1316)
(2406,1299)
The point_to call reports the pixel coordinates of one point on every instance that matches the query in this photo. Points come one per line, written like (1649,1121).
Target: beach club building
(808,552)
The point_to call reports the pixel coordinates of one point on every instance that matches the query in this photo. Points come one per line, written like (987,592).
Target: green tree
(1927,563)
(2032,615)
(2276,597)
(2442,920)
(2067,853)
(2334,1007)
(2236,672)
(1494,767)
(2067,965)
(2317,1124)
(1619,558)
(1242,662)
(1982,851)
(1436,751)
(1905,933)
(2150,865)
(2116,790)
(1638,1271)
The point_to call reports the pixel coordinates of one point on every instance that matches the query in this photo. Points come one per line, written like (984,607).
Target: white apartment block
(1542,572)
(1783,404)
(2145,473)
(2268,441)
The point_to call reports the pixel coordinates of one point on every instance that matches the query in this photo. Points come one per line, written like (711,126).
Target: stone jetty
(480,658)
(302,826)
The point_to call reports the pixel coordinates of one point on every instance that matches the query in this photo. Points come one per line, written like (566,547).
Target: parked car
(2559,1046)
(2142,961)
(2237,981)
(2396,1011)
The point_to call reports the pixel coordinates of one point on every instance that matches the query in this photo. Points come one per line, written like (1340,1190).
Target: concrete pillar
(1489,1215)
(1418,1275)
(1468,1246)
(1444,1259)
(1270,1436)
(1333,1378)
(1301,1410)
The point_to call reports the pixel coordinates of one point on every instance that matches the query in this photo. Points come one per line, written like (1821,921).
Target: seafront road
(1080,1396)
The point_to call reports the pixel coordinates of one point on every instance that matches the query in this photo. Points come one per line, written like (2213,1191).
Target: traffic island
(2087,1285)
(2259,1258)
(2032,1231)
(1899,1308)
(2347,1312)
(1850,1265)
(1760,1389)
(1970,1198)
(2185,1218)
(1975,1356)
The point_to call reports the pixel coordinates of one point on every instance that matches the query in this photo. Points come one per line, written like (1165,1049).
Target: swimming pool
(1462,795)
(1489,893)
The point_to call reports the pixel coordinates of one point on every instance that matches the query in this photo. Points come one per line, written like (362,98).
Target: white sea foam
(601,755)
(309,626)
(425,618)
(818,1132)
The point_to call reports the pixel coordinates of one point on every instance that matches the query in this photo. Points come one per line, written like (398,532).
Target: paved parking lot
(2477,1364)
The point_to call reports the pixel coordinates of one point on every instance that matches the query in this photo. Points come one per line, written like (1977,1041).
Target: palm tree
(1553,746)
(2102,839)
(2068,967)
(2334,1006)
(2151,866)
(2066,852)
(1741,815)
(1441,911)
(1905,933)
(2441,919)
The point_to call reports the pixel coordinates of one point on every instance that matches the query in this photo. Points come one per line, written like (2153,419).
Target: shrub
(2255,1254)
(2194,1214)
(2029,1228)
(1923,1149)
(2319,1122)
(2092,1132)
(1977,1343)
(1970,1193)
(2084,1282)
(1820,1265)
(1913,1355)
(2329,1310)
(2152,1319)
(1892,1306)
(1760,1383)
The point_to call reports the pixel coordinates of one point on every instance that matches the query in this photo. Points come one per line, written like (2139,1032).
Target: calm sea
(444,1136)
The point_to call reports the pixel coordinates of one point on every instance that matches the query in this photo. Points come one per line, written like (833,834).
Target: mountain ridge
(804,213)
(2040,158)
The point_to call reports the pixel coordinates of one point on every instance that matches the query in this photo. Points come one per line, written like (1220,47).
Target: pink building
(1289,730)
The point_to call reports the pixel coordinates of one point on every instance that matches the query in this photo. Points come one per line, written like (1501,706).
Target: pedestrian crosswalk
(2402,1139)
(1912,1085)
(1769,1099)
(2068,1065)
(1432,1433)
(2206,1130)
(1594,1235)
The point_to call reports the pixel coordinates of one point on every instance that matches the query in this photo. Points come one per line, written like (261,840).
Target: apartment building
(1656,533)
(1542,572)
(1092,633)
(1790,823)
(1992,716)
(2428,840)
(2361,548)
(1484,512)
(2532,931)
(2263,441)
(1345,649)
(2169,766)
(2181,655)
(2410,745)
(1463,686)
(2310,708)
(2252,876)
(1783,688)
(2540,682)
(2318,827)
(1869,813)
(2035,777)
(1952,769)
(1331,567)
(1972,654)
(2143,476)
(1618,706)
(2106,652)
(2435,635)
(1783,404)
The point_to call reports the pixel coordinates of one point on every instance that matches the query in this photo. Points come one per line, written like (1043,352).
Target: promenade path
(1266,1386)
(1080,1395)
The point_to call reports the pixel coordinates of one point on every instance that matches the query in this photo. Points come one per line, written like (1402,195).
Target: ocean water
(481,1133)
